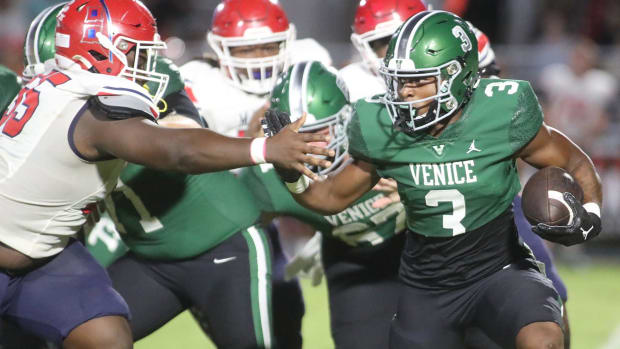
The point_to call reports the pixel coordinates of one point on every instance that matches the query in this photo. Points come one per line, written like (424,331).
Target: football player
(173,264)
(62,140)
(375,22)
(450,140)
(361,246)
(254,42)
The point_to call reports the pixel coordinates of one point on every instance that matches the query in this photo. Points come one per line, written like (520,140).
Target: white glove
(307,262)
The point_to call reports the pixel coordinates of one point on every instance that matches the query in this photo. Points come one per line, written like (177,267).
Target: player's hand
(389,189)
(307,262)
(585,225)
(289,150)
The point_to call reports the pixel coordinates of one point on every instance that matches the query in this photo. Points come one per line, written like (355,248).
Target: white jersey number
(501,86)
(453,221)
(148,222)
(359,232)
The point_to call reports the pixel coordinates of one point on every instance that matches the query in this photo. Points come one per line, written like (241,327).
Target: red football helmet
(98,34)
(246,23)
(376,19)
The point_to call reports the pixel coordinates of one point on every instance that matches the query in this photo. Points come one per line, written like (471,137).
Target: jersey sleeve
(358,148)
(526,119)
(10,83)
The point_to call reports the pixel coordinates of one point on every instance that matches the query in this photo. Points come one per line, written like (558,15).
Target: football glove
(584,227)
(273,123)
(307,262)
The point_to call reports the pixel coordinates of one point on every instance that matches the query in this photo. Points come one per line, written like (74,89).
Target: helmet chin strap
(404,118)
(431,114)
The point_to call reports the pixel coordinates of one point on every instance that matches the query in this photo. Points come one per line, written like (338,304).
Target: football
(543,200)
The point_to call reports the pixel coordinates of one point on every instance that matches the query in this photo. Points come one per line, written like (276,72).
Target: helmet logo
(93,24)
(458,32)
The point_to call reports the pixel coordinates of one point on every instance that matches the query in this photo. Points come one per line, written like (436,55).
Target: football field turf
(593,308)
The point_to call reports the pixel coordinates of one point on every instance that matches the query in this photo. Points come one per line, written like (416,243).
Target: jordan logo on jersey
(472,147)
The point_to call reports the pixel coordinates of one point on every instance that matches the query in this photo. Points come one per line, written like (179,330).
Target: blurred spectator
(578,95)
(12,31)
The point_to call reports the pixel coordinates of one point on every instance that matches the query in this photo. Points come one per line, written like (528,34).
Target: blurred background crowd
(569,50)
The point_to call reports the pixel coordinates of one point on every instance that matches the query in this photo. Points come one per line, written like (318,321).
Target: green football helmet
(39,45)
(314,89)
(430,44)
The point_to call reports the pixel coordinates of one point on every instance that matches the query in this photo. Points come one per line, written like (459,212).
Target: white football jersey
(44,182)
(360,81)
(227,108)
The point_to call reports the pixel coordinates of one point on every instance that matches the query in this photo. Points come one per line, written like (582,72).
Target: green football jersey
(11,84)
(358,225)
(171,215)
(104,242)
(465,177)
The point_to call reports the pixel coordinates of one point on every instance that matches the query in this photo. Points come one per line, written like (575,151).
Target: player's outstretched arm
(338,191)
(551,148)
(140,141)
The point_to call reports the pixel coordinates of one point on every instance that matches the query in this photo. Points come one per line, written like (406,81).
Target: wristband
(258,148)
(298,186)
(593,207)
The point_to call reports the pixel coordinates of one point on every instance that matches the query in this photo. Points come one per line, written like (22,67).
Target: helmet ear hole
(98,56)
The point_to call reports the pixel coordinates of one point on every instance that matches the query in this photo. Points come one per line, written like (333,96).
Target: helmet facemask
(142,68)
(443,103)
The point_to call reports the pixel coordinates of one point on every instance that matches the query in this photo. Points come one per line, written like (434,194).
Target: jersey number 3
(21,110)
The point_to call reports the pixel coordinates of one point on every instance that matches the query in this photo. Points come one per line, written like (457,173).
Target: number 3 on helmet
(430,44)
(98,35)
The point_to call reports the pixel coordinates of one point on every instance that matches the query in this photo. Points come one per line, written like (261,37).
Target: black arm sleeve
(179,103)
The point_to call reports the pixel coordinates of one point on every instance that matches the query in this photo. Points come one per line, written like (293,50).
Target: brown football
(543,200)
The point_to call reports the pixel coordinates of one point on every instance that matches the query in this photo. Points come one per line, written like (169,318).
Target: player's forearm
(319,198)
(582,169)
(580,166)
(203,150)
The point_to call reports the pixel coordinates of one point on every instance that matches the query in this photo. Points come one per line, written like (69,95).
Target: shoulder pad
(123,106)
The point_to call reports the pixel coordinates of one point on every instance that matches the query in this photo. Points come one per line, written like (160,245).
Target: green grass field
(593,308)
